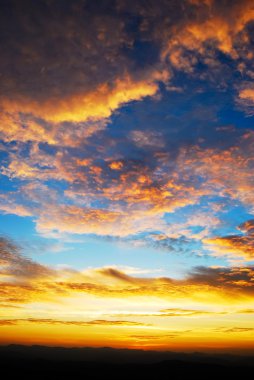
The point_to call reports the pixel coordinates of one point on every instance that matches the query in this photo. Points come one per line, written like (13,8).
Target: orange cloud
(95,105)
(116,165)
(247,93)
(214,27)
(246,98)
(9,207)
(15,128)
(137,197)
(99,322)
(135,200)
(21,278)
(66,117)
(66,302)
(86,114)
(73,219)
(235,246)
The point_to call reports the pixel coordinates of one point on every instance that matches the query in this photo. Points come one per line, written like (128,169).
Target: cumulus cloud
(134,195)
(70,67)
(73,70)
(94,69)
(135,198)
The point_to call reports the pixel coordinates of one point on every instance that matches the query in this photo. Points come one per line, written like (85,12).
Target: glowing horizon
(126,199)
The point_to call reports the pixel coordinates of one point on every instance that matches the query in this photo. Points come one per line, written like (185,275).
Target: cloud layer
(128,123)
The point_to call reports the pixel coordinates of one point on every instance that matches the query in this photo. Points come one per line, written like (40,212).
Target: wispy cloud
(99,322)
(235,246)
(25,281)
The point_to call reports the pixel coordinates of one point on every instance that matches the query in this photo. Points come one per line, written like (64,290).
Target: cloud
(227,278)
(14,265)
(71,76)
(211,164)
(22,280)
(172,312)
(78,220)
(71,72)
(135,197)
(236,329)
(103,300)
(235,246)
(147,139)
(246,311)
(99,322)
(146,337)
(80,108)
(94,69)
(245,98)
(116,274)
(115,121)
(7,322)
(116,165)
(26,129)
(215,27)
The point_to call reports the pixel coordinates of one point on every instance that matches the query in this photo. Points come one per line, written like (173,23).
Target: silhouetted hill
(40,362)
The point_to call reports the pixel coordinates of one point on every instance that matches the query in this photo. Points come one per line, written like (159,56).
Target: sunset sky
(127,174)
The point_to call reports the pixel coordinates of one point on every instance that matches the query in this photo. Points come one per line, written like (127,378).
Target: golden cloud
(99,322)
(23,280)
(98,104)
(215,27)
(38,299)
(136,198)
(235,246)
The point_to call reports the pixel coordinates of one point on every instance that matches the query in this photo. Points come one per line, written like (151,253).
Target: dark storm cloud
(52,48)
(62,53)
(55,49)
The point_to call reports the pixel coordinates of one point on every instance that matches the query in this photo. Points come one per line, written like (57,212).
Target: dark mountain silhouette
(41,362)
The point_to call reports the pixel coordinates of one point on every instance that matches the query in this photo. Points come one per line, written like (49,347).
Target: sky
(126,174)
